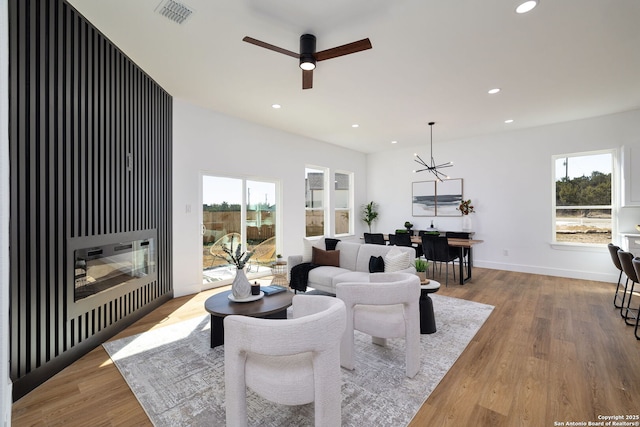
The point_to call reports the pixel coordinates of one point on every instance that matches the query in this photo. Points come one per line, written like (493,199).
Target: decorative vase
(422,275)
(241,287)
(466,223)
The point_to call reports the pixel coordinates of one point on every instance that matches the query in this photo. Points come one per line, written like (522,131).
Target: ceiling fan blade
(307,79)
(270,47)
(346,49)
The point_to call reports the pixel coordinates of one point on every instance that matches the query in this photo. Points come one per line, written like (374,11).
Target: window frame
(243,214)
(614,198)
(325,200)
(350,203)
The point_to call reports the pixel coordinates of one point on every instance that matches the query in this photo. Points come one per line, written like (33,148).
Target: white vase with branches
(241,287)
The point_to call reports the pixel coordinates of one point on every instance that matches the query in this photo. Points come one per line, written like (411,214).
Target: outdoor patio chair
(216,248)
(264,254)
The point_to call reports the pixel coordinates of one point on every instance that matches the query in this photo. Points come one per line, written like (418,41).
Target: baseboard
(191,289)
(547,271)
(6,405)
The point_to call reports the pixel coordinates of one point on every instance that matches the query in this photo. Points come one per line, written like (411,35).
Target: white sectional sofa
(354,264)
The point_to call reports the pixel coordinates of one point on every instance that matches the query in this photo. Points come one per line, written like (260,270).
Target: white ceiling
(431,61)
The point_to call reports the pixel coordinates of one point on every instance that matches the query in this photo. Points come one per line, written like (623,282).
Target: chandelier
(432,167)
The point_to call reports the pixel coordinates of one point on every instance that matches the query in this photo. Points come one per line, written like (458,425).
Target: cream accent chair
(289,361)
(385,307)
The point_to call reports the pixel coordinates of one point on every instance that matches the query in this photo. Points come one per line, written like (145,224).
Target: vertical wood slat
(78,106)
(32,99)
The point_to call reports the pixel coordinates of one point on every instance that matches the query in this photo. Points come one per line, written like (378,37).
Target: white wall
(508,178)
(5,383)
(206,141)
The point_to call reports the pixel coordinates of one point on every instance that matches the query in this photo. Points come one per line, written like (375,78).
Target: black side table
(427,317)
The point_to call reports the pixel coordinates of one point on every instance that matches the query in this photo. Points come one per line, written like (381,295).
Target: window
(245,210)
(583,197)
(343,196)
(315,201)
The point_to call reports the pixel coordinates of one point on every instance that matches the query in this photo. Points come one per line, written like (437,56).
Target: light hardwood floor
(553,351)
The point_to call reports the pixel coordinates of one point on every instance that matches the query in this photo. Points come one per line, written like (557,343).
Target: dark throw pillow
(320,257)
(376,264)
(330,244)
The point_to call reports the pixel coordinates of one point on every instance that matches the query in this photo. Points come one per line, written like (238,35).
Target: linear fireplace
(106,267)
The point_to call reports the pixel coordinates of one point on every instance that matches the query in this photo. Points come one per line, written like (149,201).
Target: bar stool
(636,267)
(628,314)
(613,251)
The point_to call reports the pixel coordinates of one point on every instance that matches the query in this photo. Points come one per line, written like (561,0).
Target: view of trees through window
(583,202)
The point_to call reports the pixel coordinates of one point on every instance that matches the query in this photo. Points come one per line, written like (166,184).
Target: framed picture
(424,198)
(448,197)
(433,198)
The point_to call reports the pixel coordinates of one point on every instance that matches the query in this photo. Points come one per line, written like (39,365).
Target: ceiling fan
(308,55)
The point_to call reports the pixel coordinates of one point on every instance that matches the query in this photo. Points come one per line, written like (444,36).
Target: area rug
(179,380)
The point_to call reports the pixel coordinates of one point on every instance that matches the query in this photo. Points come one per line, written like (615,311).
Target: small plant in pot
(422,266)
(408,226)
(279,259)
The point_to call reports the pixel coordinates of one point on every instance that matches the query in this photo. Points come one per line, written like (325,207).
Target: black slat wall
(90,147)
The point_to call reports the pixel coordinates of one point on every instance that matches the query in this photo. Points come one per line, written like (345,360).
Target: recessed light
(355,125)
(509,121)
(527,6)
(494,90)
(394,142)
(276,106)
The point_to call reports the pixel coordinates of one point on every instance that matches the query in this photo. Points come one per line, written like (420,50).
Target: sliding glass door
(241,211)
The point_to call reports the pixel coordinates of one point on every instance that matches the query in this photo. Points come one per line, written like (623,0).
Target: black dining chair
(626,261)
(404,239)
(437,249)
(460,235)
(613,251)
(374,238)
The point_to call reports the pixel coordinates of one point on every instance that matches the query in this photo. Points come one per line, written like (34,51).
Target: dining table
(462,244)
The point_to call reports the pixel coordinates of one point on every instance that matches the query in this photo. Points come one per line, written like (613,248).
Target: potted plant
(370,213)
(408,226)
(422,266)
(279,259)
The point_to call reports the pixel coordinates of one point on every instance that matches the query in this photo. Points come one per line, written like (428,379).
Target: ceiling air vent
(177,12)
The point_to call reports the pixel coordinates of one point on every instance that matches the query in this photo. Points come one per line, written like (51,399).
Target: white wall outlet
(187,209)
(505,252)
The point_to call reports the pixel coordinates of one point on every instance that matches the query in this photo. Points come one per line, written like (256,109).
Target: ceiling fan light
(307,51)
(307,65)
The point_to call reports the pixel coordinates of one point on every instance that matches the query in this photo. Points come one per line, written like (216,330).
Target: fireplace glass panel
(101,268)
